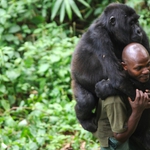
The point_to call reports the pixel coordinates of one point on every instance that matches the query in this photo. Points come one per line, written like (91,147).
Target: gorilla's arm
(105,88)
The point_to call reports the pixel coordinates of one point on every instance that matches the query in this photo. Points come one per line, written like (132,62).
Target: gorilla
(96,70)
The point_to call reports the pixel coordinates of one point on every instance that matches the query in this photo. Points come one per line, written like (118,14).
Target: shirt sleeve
(117,113)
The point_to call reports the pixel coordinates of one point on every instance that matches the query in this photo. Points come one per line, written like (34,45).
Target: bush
(36,107)
(40,66)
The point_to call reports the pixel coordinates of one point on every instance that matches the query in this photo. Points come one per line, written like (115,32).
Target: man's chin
(144,80)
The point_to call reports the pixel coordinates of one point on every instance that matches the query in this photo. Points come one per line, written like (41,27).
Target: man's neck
(139,85)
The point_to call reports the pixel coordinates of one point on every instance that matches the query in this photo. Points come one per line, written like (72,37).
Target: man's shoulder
(112,99)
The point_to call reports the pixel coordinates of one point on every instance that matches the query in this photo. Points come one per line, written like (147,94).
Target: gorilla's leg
(85,104)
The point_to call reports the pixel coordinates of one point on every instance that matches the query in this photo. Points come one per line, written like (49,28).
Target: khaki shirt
(113,118)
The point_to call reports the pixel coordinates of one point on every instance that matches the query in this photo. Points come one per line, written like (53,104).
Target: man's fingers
(129,99)
(148,92)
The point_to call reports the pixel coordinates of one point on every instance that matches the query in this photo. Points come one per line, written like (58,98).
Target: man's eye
(138,68)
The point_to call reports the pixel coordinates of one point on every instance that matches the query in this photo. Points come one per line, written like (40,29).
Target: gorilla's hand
(104,89)
(90,124)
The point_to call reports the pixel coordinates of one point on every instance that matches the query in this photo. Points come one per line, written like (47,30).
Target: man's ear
(124,65)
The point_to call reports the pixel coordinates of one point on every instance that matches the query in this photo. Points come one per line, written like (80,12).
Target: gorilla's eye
(112,20)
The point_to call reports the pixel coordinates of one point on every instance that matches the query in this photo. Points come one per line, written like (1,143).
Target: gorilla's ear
(112,20)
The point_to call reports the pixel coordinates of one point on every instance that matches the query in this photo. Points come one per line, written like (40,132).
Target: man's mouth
(145,77)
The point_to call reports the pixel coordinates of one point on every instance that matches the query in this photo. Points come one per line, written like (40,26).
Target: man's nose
(146,70)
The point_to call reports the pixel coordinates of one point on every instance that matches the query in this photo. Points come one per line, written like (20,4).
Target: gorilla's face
(136,31)
(123,25)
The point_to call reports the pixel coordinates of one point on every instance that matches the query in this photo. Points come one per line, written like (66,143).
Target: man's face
(139,68)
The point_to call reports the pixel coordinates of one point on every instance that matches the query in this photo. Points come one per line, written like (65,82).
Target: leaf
(5,104)
(88,13)
(40,140)
(15,147)
(84,3)
(62,72)
(25,86)
(23,123)
(12,74)
(2,16)
(33,145)
(29,62)
(54,58)
(75,8)
(9,37)
(2,88)
(26,132)
(14,29)
(39,106)
(9,122)
(4,3)
(68,9)
(1,29)
(62,12)
(3,146)
(54,119)
(2,12)
(43,68)
(37,20)
(56,7)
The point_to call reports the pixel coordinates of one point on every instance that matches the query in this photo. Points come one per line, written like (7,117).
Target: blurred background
(37,39)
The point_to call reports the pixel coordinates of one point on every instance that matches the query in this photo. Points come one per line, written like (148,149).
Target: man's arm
(141,102)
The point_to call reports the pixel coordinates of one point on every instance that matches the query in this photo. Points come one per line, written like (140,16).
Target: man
(119,115)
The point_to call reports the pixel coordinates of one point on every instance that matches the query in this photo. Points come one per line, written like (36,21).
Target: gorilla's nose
(138,32)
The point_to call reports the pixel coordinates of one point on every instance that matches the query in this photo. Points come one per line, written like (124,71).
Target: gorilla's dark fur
(96,70)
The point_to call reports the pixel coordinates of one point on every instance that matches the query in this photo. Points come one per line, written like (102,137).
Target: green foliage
(13,18)
(80,8)
(36,106)
(36,111)
(67,6)
(142,8)
(19,18)
(42,125)
(40,66)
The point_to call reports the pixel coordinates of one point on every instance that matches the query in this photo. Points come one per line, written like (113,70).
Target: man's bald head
(133,51)
(136,62)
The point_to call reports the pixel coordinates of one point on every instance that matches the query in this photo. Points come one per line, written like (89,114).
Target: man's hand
(148,92)
(141,102)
